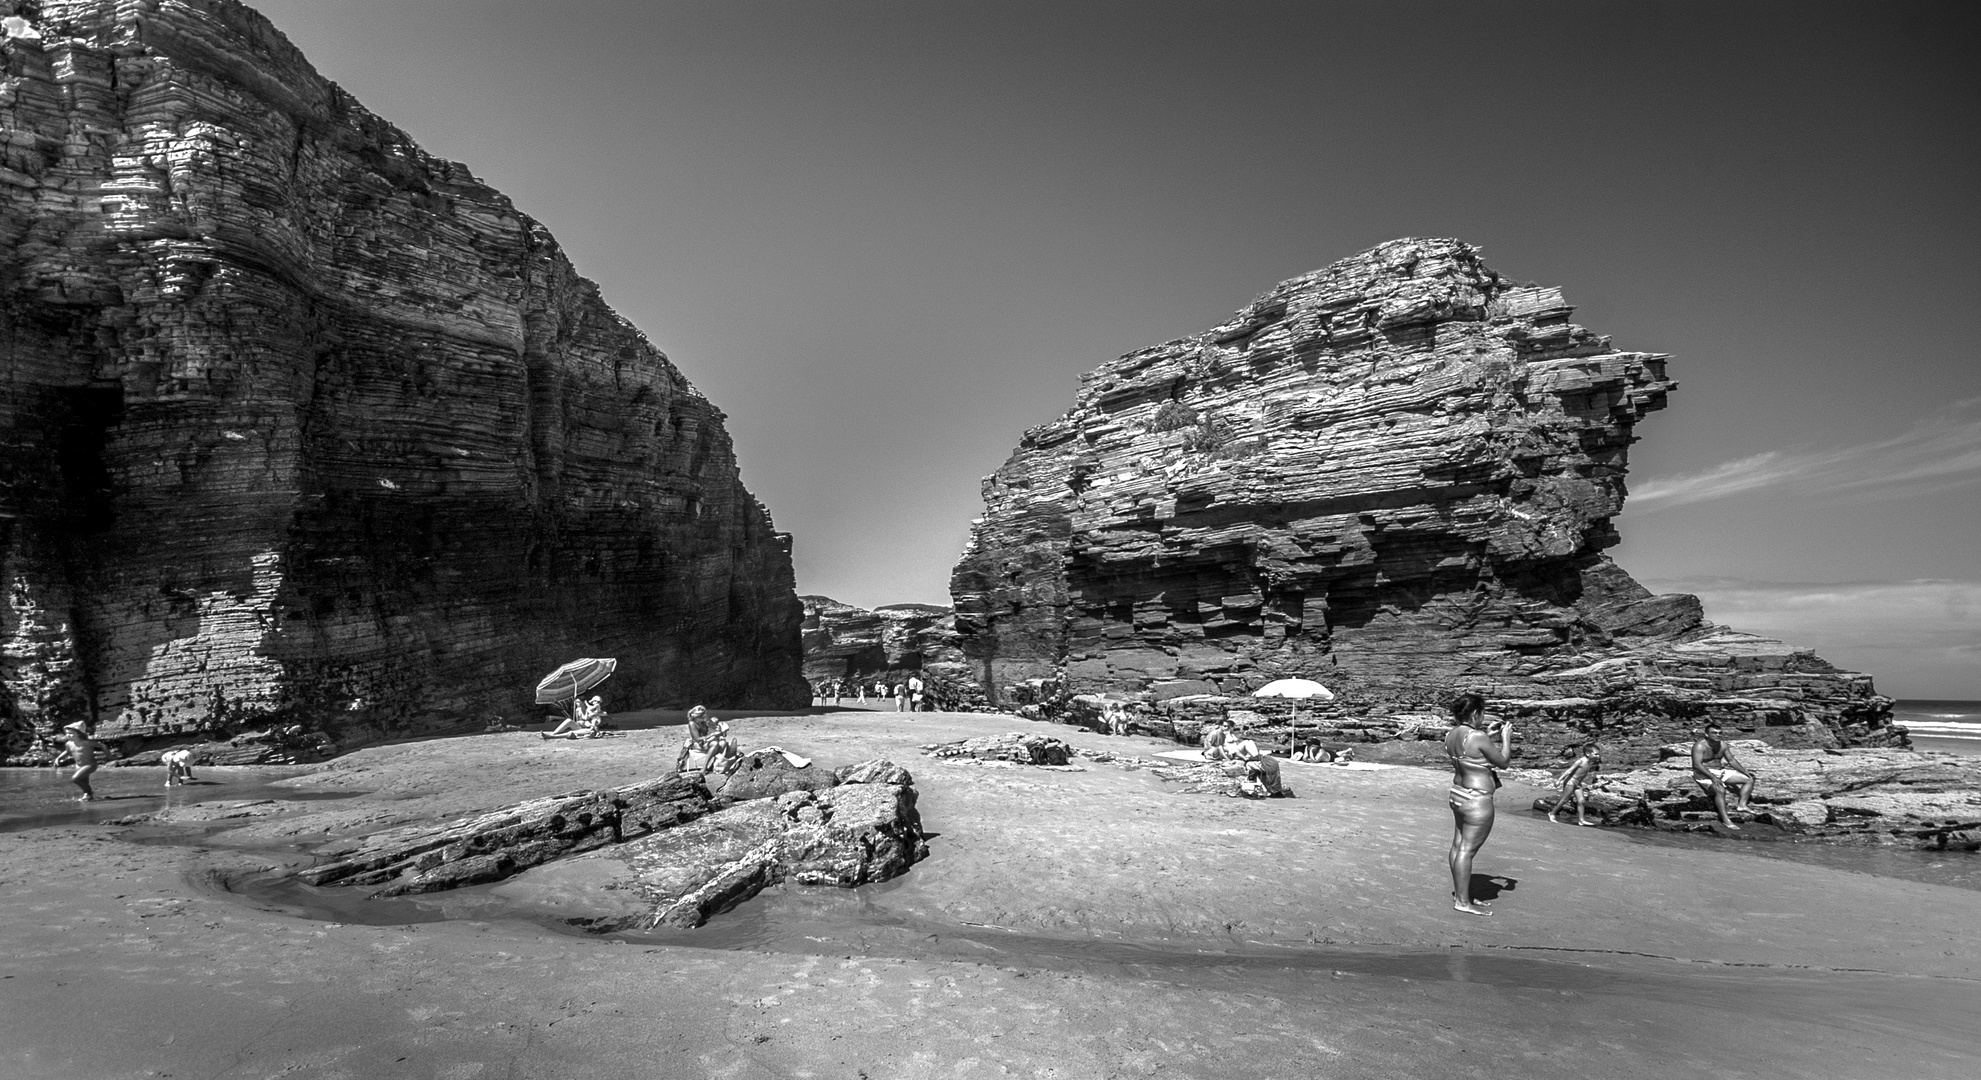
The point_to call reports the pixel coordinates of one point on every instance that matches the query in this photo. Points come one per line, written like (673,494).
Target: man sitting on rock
(1715,770)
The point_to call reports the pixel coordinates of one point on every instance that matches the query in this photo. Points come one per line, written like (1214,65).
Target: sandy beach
(1092,923)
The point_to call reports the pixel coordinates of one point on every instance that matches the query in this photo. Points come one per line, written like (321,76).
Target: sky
(885,238)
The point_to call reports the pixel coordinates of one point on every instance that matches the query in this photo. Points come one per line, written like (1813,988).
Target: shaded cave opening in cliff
(86,415)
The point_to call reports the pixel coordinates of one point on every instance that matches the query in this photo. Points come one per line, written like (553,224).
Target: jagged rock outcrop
(495,845)
(1394,475)
(680,854)
(1017,747)
(309,432)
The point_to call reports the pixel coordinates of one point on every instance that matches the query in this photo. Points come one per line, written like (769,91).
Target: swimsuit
(1470,800)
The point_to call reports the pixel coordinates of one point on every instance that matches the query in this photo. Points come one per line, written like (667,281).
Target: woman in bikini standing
(1473,759)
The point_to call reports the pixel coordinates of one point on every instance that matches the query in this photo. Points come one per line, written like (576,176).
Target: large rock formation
(1395,475)
(889,642)
(842,640)
(311,432)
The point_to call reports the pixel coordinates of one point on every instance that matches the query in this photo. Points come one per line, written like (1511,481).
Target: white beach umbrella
(1294,688)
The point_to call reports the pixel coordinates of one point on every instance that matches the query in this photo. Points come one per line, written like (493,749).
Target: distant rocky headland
(1395,475)
(313,439)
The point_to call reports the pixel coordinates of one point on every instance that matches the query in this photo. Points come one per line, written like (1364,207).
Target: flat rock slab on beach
(848,835)
(1888,796)
(498,844)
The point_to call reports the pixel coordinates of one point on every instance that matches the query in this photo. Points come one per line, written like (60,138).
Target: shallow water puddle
(40,798)
(858,923)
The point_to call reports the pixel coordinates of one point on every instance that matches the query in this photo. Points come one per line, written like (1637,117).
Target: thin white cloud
(1920,638)
(1942,451)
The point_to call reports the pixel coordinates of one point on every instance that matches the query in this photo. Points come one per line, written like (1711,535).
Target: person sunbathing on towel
(587,719)
(1312,751)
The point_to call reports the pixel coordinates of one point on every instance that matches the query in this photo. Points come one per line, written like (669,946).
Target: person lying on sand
(78,747)
(1715,770)
(1573,780)
(1312,751)
(1473,781)
(709,747)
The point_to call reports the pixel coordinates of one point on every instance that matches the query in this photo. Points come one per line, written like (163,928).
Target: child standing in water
(78,747)
(1580,774)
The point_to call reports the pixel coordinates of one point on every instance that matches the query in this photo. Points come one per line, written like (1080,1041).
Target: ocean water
(1952,727)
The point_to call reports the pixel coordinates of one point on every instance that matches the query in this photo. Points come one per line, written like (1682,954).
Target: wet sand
(1069,924)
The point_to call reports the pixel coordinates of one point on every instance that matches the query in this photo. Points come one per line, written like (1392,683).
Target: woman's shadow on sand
(1489,888)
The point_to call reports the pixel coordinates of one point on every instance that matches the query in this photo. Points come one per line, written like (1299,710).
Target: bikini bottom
(1471,802)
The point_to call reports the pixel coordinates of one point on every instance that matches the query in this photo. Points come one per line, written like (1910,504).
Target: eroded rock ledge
(846,641)
(314,435)
(684,852)
(1870,796)
(1395,475)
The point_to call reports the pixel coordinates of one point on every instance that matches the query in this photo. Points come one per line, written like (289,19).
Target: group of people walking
(912,694)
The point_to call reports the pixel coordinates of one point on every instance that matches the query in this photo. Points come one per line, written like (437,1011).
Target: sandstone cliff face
(1395,475)
(308,430)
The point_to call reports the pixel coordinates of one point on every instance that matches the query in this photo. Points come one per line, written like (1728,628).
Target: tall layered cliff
(307,430)
(1395,475)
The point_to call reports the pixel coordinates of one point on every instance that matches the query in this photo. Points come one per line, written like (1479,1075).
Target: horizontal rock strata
(1878,796)
(305,426)
(1018,747)
(844,836)
(684,854)
(495,845)
(1395,476)
(843,641)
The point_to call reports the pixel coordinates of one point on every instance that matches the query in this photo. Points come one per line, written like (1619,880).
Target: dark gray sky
(887,237)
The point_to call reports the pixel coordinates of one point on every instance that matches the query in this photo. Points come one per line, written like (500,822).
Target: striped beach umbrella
(573,679)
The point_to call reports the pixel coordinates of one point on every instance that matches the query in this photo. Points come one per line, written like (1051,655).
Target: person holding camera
(1474,759)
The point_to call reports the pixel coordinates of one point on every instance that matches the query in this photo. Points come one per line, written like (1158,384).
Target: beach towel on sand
(794,760)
